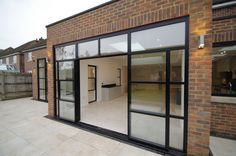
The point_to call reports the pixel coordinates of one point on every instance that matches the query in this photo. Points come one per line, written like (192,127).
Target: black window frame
(223,44)
(184,19)
(44,78)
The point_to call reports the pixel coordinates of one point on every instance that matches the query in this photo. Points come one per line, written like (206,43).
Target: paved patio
(24,131)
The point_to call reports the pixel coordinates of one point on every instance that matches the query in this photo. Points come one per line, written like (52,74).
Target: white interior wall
(106,73)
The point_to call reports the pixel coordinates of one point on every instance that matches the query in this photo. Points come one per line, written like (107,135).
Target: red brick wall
(32,66)
(200,66)
(224,115)
(224,30)
(126,14)
(223,120)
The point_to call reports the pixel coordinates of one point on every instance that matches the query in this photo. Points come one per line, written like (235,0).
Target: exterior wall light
(201,42)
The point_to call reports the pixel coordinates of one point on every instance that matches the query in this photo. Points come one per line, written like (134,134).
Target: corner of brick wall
(200,66)
(223,120)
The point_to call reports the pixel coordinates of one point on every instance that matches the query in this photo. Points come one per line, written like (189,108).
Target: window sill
(223,99)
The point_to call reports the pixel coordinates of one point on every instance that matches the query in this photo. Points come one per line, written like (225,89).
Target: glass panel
(177,66)
(91,71)
(42,83)
(148,67)
(66,52)
(114,45)
(67,91)
(41,72)
(148,128)
(42,95)
(91,96)
(91,84)
(224,71)
(41,63)
(88,49)
(160,37)
(66,70)
(148,97)
(67,110)
(176,133)
(177,100)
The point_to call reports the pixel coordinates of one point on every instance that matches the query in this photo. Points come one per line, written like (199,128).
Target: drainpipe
(223,5)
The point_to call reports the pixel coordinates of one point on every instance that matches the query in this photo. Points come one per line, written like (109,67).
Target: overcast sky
(25,20)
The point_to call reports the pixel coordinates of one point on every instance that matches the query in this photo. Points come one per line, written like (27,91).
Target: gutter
(1,57)
(33,49)
(224,5)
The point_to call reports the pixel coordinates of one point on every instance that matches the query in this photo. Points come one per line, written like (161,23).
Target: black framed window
(65,96)
(158,98)
(42,79)
(88,49)
(224,70)
(158,89)
(114,45)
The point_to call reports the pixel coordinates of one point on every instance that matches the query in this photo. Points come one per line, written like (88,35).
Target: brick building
(26,58)
(156,74)
(201,80)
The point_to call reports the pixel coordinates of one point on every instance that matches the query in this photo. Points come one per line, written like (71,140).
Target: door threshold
(119,137)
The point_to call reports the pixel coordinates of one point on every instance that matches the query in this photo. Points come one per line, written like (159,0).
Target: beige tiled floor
(222,147)
(25,132)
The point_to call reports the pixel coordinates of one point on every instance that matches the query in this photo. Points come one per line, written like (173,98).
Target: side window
(224,71)
(29,56)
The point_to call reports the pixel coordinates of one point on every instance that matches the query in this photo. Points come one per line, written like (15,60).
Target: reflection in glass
(160,37)
(224,71)
(88,49)
(177,66)
(42,94)
(148,128)
(92,96)
(91,72)
(177,100)
(42,73)
(66,70)
(67,90)
(41,63)
(66,52)
(148,67)
(67,110)
(148,97)
(42,83)
(91,84)
(176,133)
(114,45)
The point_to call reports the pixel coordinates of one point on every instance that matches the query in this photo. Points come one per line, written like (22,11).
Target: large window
(224,71)
(160,37)
(65,99)
(66,52)
(157,80)
(114,45)
(88,49)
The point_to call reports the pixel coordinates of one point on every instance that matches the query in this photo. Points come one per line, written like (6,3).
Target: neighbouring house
(158,74)
(35,62)
(30,58)
(9,56)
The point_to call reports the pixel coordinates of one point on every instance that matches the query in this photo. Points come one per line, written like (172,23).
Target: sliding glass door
(157,80)
(157,85)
